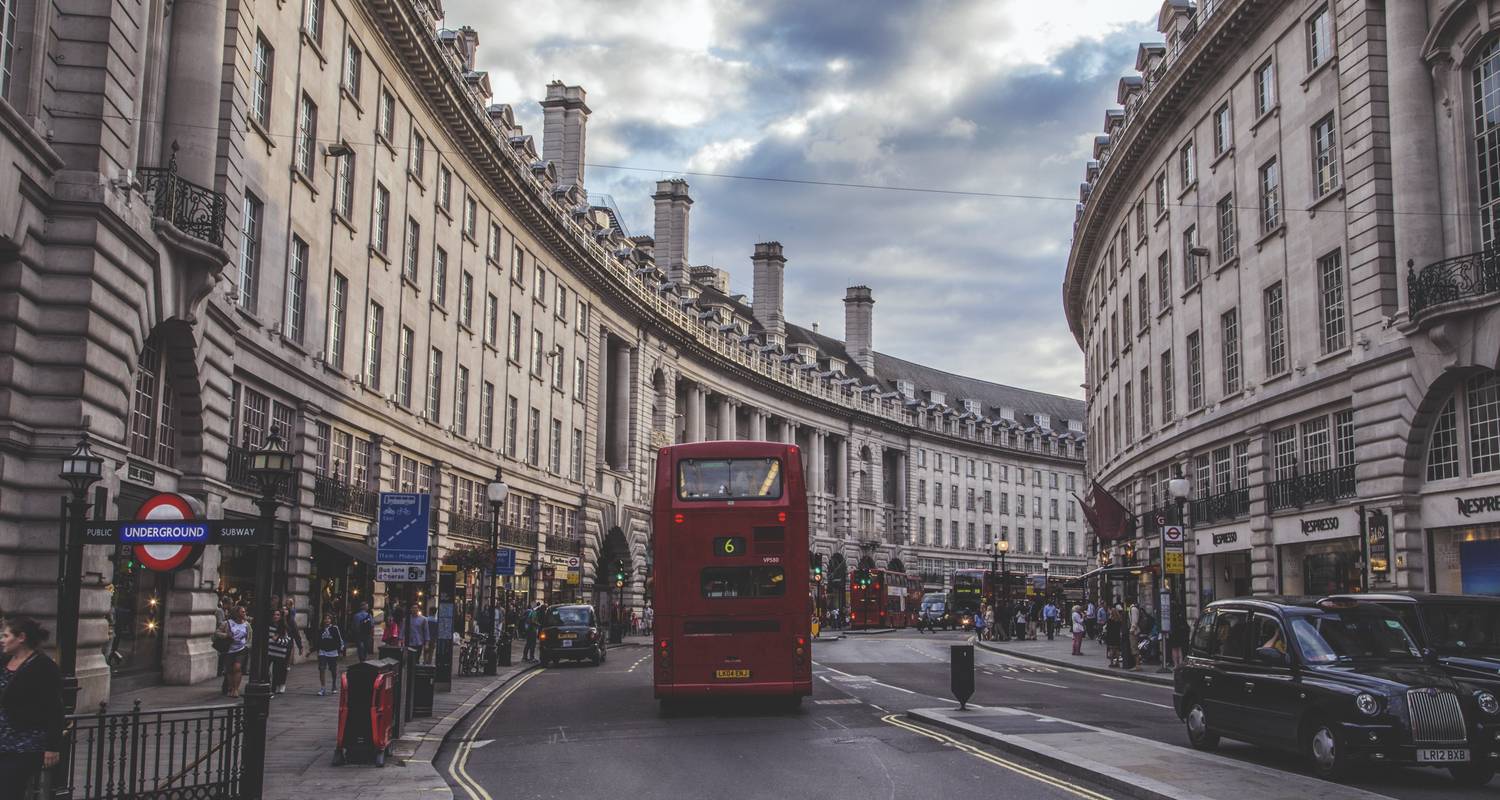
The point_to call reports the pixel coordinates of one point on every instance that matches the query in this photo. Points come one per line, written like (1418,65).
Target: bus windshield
(731,582)
(729,479)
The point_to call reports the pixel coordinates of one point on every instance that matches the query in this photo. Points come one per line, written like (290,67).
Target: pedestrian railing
(165,754)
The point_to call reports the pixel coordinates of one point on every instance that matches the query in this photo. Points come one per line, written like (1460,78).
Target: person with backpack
(533,624)
(330,647)
(364,631)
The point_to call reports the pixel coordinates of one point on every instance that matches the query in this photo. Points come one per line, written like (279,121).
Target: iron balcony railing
(1229,504)
(1450,280)
(332,494)
(163,753)
(241,477)
(190,208)
(1327,486)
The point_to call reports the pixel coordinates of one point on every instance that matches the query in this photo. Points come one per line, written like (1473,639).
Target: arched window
(153,418)
(1487,141)
(1465,436)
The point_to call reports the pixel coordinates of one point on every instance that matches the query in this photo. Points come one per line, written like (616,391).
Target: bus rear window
(742,582)
(729,479)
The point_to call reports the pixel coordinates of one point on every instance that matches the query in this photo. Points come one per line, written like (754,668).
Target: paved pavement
(1059,652)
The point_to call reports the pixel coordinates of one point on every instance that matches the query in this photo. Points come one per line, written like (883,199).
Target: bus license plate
(1442,755)
(731,674)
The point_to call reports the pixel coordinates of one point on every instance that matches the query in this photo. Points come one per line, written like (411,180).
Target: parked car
(1338,681)
(1460,631)
(571,632)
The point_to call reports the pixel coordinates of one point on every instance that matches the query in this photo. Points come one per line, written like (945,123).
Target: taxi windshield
(1462,629)
(1353,635)
(729,479)
(569,616)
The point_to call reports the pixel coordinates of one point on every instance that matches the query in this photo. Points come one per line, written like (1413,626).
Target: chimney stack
(859,333)
(766,303)
(468,45)
(672,206)
(564,130)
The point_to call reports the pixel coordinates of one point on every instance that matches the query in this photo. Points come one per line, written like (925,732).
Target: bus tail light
(678,518)
(800,652)
(664,655)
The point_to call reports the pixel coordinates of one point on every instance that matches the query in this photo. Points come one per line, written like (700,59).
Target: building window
(1442,449)
(296,289)
(487,414)
(1194,371)
(1189,258)
(1275,310)
(577,463)
(515,337)
(250,229)
(1319,38)
(343,187)
(374,334)
(1284,453)
(404,358)
(153,419)
(1161,194)
(492,249)
(352,61)
(534,438)
(471,216)
(313,23)
(1164,281)
(1228,233)
(7,43)
(1125,319)
(538,353)
(1317,447)
(1229,325)
(260,90)
(338,318)
(517,264)
(445,188)
(512,422)
(1145,402)
(413,249)
(466,299)
(1129,418)
(435,386)
(1143,301)
(1331,313)
(1265,88)
(491,319)
(1168,395)
(307,137)
(1223,130)
(1270,196)
(381,219)
(1487,142)
(1325,155)
(440,277)
(461,401)
(580,380)
(418,155)
(1186,165)
(558,369)
(1483,406)
(385,116)
(554,454)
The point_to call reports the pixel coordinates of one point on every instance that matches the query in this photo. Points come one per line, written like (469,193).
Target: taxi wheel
(1472,774)
(1325,748)
(1199,736)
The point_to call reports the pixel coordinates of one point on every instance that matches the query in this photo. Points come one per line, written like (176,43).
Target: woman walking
(31,717)
(278,649)
(237,631)
(1113,629)
(330,647)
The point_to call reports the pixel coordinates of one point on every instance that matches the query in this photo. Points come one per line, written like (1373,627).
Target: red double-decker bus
(892,600)
(731,572)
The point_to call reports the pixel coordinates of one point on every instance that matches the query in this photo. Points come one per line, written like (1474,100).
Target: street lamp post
(1002,546)
(81,469)
(496,493)
(1179,488)
(271,465)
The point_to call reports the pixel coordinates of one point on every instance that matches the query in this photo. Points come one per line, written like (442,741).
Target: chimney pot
(766,303)
(565,117)
(671,234)
(859,334)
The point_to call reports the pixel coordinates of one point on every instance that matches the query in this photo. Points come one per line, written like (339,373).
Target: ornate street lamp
(271,466)
(81,469)
(496,493)
(1002,546)
(1179,488)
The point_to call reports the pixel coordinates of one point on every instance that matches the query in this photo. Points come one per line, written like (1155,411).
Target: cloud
(984,96)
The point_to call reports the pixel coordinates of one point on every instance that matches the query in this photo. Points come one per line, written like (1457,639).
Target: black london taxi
(1340,682)
(1461,632)
(570,632)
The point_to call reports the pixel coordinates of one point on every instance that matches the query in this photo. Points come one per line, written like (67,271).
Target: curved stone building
(341,238)
(1284,283)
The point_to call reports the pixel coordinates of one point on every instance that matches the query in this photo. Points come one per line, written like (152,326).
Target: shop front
(1319,552)
(1463,541)
(342,576)
(1222,561)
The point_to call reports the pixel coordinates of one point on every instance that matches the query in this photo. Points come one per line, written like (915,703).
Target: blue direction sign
(402,534)
(505,561)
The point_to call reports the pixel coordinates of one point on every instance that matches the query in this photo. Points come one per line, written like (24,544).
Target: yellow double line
(1057,783)
(458,767)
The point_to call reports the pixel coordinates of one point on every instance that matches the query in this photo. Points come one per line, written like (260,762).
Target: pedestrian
(221,615)
(979,627)
(31,714)
(237,631)
(1079,629)
(1089,615)
(1033,619)
(390,636)
(989,622)
(1133,617)
(531,620)
(1177,637)
(278,649)
(1112,630)
(364,631)
(1101,617)
(330,647)
(289,618)
(430,649)
(1022,621)
(647,618)
(416,632)
(1049,618)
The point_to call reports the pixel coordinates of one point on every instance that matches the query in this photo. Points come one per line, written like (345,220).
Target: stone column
(814,458)
(619,392)
(727,430)
(1263,568)
(900,479)
(1417,203)
(700,413)
(788,432)
(841,464)
(193,92)
(690,407)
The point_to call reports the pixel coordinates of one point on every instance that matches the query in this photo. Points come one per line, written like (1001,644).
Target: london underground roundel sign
(167,557)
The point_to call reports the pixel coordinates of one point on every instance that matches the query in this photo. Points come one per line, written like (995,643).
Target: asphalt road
(580,731)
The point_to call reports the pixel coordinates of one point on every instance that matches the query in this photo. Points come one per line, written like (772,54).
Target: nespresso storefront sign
(1469,506)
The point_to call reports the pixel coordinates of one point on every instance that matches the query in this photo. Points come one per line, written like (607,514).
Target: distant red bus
(893,600)
(731,571)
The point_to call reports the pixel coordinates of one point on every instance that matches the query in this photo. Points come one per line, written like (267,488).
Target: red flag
(1109,518)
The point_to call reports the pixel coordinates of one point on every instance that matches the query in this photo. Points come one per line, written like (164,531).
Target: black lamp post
(81,469)
(496,493)
(271,466)
(1179,488)
(1002,546)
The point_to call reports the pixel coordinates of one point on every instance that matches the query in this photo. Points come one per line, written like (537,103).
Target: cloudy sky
(993,96)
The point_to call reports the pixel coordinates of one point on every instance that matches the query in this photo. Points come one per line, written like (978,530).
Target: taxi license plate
(567,643)
(731,674)
(567,636)
(1442,755)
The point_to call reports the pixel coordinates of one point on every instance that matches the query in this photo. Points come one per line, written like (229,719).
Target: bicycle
(471,655)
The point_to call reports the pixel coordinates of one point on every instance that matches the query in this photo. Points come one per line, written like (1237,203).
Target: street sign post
(505,561)
(402,534)
(401,573)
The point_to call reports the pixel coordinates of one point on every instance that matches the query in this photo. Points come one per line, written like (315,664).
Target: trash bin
(398,683)
(503,652)
(367,709)
(423,679)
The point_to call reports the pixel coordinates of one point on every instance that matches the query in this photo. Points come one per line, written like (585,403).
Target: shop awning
(354,549)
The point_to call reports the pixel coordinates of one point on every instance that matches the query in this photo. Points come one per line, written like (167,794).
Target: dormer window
(937,398)
(971,407)
(907,389)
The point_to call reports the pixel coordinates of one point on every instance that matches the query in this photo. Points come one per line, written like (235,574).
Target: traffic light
(817,573)
(619,575)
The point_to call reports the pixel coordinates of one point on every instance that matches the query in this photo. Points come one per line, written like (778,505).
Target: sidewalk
(303,726)
(1139,768)
(1059,653)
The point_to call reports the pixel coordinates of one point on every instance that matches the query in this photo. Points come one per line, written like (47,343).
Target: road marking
(897,688)
(842,701)
(457,767)
(1057,783)
(1134,700)
(638,662)
(831,669)
(1042,683)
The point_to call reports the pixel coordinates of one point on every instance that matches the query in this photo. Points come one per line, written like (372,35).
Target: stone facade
(1283,284)
(338,237)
